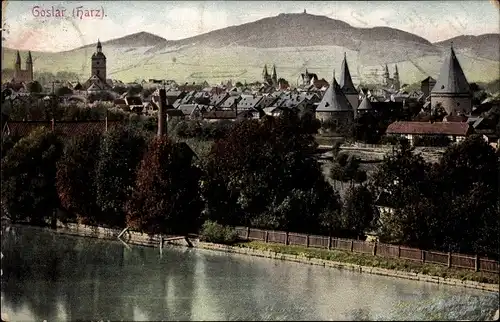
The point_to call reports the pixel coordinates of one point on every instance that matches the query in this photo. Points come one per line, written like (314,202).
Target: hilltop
(292,41)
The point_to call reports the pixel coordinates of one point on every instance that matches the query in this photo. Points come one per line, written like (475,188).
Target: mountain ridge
(293,41)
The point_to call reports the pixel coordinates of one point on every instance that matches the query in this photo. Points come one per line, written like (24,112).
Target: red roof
(425,128)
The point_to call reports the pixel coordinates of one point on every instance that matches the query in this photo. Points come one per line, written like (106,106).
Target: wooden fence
(452,260)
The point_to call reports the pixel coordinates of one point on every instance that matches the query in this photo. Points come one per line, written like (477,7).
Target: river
(54,277)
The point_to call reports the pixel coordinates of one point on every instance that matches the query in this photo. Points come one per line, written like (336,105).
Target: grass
(375,261)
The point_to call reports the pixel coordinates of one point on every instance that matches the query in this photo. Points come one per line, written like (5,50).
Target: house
(191,111)
(216,100)
(230,103)
(455,131)
(248,103)
(266,101)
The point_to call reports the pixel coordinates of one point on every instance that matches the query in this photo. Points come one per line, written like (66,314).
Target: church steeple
(264,71)
(274,75)
(99,46)
(18,58)
(29,60)
(451,78)
(345,78)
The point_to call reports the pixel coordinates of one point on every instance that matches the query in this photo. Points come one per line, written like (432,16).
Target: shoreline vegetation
(392,267)
(262,174)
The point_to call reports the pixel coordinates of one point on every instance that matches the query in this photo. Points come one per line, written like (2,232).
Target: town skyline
(182,20)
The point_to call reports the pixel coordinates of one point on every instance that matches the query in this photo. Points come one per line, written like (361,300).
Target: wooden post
(375,249)
(422,252)
(399,251)
(449,259)
(286,238)
(476,262)
(248,233)
(329,242)
(352,245)
(307,240)
(267,236)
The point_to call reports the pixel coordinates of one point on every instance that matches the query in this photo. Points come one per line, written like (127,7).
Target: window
(98,72)
(97,63)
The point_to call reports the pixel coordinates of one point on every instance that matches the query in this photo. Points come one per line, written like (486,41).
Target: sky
(433,20)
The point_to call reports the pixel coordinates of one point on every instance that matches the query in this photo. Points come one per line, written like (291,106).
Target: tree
(358,212)
(166,194)
(263,173)
(28,177)
(35,87)
(346,168)
(75,178)
(119,155)
(64,90)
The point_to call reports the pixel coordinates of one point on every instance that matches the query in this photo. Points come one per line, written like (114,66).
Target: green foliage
(346,168)
(359,211)
(432,140)
(34,87)
(75,178)
(166,196)
(28,177)
(213,232)
(120,153)
(202,130)
(64,90)
(263,173)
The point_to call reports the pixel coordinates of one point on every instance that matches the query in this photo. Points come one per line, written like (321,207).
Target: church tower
(452,91)
(17,66)
(29,67)
(99,63)
(274,76)
(347,86)
(396,83)
(386,76)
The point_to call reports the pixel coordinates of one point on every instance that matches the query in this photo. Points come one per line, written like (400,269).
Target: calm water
(53,277)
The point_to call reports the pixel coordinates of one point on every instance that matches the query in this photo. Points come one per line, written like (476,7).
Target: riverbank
(351,261)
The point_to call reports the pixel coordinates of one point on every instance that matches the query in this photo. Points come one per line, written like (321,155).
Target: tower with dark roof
(23,75)
(274,75)
(452,91)
(334,105)
(395,80)
(99,63)
(347,86)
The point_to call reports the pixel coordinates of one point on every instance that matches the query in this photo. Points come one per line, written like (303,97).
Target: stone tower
(347,86)
(395,81)
(99,63)
(452,91)
(23,75)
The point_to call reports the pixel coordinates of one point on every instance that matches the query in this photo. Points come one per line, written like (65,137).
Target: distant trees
(34,87)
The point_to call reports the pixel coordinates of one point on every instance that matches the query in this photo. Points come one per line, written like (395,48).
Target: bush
(212,232)
(389,139)
(432,140)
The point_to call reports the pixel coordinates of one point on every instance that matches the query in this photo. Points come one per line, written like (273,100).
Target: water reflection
(59,278)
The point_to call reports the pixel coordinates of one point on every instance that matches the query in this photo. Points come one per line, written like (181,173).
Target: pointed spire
(334,99)
(274,71)
(29,60)
(365,105)
(18,58)
(451,78)
(386,70)
(99,46)
(264,72)
(396,69)
(345,78)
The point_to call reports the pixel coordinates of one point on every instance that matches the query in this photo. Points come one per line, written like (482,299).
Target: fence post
(352,245)
(329,242)
(267,235)
(248,233)
(286,238)
(449,259)
(422,255)
(476,262)
(399,251)
(307,240)
(375,249)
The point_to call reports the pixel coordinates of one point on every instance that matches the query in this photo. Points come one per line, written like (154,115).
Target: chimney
(162,107)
